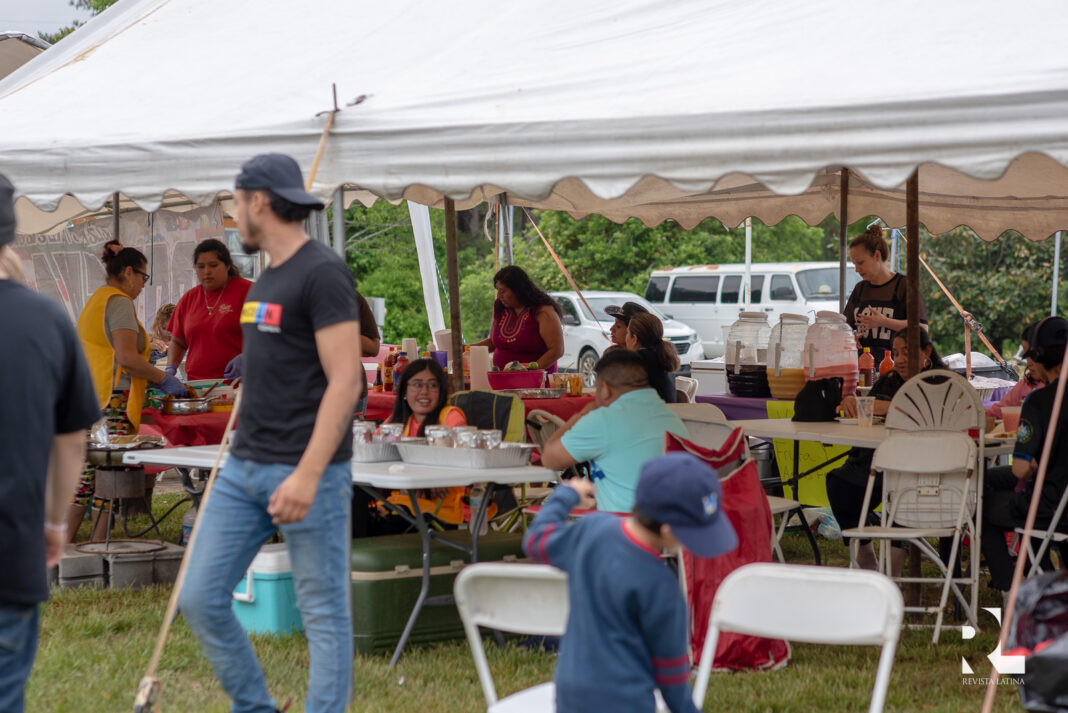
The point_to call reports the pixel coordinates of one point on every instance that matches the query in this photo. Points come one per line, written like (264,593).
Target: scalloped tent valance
(625,108)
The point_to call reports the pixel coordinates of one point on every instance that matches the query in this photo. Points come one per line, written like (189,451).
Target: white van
(586,333)
(710,297)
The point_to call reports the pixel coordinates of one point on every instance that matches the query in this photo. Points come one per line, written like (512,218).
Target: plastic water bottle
(188,519)
(475,498)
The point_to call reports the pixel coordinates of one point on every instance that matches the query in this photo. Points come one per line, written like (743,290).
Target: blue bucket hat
(681,490)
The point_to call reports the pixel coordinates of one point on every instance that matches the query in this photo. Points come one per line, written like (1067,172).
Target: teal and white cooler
(265,601)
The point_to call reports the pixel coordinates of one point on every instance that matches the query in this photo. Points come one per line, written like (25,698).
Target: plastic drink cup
(1010,416)
(865,410)
(575,382)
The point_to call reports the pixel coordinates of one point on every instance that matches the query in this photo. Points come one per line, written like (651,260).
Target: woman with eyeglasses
(117,347)
(206,325)
(422,400)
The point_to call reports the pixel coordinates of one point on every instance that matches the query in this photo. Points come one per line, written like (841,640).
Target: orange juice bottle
(866,368)
(886,364)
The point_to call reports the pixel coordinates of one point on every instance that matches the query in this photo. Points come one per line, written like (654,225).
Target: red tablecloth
(198,429)
(380,405)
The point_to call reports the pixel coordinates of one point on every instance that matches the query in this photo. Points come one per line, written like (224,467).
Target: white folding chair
(942,400)
(929,490)
(686,386)
(825,606)
(519,599)
(1050,536)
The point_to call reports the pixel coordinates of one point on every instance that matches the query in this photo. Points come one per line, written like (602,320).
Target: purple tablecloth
(736,408)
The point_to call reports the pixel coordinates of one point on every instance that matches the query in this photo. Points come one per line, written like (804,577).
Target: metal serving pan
(508,455)
(549,393)
(374,452)
(184,407)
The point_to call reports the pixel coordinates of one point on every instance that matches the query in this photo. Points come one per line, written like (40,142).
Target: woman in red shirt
(206,325)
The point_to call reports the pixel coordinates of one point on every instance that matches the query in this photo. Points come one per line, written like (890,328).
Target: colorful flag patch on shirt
(267,315)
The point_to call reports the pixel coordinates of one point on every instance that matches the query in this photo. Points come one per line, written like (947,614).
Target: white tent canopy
(621,107)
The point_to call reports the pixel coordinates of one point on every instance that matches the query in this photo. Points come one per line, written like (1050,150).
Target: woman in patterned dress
(526,322)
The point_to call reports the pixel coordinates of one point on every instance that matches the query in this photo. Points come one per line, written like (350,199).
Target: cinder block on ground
(136,570)
(165,565)
(78,569)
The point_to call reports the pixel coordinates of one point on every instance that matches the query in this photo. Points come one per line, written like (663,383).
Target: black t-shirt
(46,390)
(889,299)
(659,378)
(1030,436)
(283,380)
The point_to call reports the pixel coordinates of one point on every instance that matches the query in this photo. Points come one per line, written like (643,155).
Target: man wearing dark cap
(627,630)
(622,315)
(288,468)
(48,402)
(1004,509)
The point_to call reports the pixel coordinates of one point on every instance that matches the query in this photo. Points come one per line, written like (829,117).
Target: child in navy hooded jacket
(627,630)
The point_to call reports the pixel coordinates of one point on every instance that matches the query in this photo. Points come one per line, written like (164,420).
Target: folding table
(380,478)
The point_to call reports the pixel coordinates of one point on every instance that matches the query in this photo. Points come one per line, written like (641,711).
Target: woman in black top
(645,335)
(877,307)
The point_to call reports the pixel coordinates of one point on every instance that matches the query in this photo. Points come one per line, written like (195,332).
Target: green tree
(602,255)
(381,253)
(1006,284)
(94,6)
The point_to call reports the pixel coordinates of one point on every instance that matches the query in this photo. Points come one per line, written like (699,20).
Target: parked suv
(586,335)
(710,297)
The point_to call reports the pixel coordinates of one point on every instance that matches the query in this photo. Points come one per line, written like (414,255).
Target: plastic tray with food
(507,455)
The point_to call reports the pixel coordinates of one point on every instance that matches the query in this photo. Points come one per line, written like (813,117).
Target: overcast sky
(33,16)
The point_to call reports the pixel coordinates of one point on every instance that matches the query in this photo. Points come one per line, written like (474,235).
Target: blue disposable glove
(172,386)
(234,367)
(171,369)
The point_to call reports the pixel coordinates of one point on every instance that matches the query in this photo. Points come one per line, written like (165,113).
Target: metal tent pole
(748,262)
(115,215)
(843,235)
(339,223)
(504,230)
(912,277)
(1056,273)
(452,266)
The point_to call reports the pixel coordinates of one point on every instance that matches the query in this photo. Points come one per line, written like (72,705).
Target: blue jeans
(18,646)
(234,525)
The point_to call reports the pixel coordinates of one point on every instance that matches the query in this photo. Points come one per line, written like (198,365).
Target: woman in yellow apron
(117,349)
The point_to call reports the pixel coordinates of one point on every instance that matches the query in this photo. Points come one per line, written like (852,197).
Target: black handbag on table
(818,400)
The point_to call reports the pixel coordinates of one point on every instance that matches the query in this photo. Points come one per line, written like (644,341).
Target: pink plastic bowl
(516,379)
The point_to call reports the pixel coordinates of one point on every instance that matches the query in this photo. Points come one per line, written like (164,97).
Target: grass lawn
(95,645)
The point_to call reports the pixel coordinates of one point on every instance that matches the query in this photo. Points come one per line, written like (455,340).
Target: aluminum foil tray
(509,455)
(128,443)
(374,452)
(553,393)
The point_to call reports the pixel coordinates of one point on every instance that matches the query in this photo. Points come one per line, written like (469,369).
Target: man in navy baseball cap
(680,493)
(278,174)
